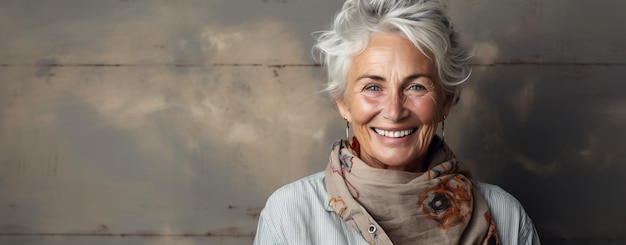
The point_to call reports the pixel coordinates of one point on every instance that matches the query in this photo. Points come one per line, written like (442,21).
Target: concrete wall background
(170,122)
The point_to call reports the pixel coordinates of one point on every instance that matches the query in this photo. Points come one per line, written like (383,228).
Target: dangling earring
(443,128)
(347,129)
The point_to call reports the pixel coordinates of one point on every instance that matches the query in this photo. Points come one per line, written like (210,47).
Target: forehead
(387,51)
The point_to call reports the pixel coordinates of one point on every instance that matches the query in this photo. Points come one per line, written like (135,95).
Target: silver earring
(347,129)
(443,128)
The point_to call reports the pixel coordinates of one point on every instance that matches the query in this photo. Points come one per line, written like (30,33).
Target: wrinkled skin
(394,87)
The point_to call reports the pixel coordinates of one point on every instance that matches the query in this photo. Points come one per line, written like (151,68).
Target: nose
(394,108)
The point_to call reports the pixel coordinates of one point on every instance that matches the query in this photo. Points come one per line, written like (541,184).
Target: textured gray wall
(170,122)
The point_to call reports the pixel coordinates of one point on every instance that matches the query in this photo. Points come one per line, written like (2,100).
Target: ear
(449,100)
(343,109)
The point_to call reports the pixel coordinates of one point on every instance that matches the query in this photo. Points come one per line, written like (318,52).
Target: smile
(394,134)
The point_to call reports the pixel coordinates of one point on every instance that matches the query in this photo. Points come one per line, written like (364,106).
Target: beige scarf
(439,206)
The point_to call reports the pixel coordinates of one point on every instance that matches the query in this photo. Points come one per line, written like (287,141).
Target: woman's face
(394,102)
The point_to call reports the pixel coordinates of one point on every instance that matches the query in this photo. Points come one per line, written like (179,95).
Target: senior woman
(395,68)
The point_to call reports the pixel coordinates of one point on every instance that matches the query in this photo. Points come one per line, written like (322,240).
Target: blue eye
(372,88)
(417,87)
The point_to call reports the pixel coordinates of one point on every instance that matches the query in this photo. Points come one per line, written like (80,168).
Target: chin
(392,159)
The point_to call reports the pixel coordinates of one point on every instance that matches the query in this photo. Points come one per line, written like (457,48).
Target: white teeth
(394,134)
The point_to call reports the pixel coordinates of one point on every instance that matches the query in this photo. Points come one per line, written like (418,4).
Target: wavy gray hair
(423,22)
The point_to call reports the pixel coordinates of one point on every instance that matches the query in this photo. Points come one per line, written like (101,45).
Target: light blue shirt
(298,214)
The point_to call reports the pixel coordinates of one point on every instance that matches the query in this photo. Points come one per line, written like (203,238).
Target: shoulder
(291,207)
(513,224)
(285,215)
(497,196)
(297,214)
(302,193)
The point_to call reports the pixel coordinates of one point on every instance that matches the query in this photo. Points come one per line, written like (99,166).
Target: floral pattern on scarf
(395,207)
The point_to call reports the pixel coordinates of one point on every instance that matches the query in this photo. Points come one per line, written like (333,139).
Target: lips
(395,134)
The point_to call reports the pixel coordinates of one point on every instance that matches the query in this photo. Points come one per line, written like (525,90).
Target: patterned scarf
(439,206)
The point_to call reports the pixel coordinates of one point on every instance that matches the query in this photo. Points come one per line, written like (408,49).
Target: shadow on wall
(541,116)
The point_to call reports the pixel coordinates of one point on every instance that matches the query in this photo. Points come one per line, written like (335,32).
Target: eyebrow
(379,78)
(373,77)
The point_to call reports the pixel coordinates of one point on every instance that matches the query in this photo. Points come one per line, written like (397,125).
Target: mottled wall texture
(171,122)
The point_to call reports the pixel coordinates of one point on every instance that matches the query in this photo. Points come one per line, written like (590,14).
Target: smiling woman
(395,69)
(392,102)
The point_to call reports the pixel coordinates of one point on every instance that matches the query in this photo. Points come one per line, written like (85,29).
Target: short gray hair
(423,22)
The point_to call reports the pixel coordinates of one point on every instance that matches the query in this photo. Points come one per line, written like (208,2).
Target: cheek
(425,108)
(363,109)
